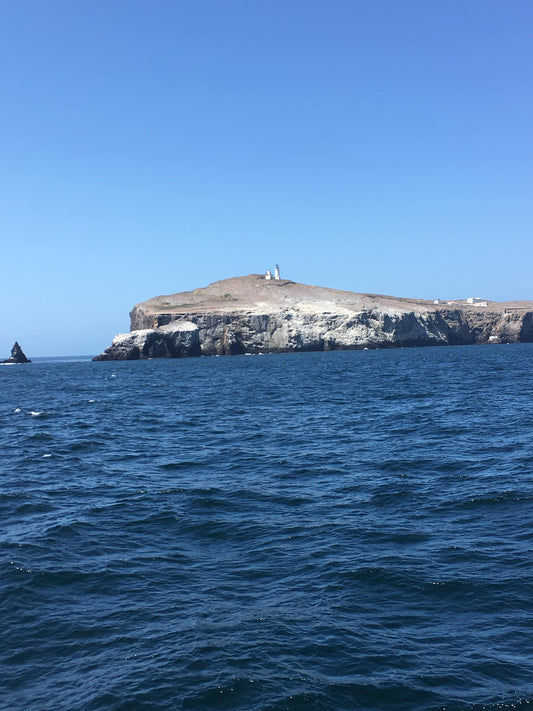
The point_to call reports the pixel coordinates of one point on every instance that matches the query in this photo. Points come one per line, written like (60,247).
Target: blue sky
(381,146)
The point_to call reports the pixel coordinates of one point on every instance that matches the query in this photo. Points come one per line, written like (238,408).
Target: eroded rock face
(291,330)
(176,340)
(252,315)
(17,355)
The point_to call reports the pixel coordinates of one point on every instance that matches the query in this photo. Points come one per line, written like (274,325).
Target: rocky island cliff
(252,314)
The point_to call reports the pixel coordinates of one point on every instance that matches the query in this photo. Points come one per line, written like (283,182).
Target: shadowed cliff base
(256,315)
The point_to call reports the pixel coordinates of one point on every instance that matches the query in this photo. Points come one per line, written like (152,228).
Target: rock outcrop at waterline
(17,356)
(254,315)
(177,339)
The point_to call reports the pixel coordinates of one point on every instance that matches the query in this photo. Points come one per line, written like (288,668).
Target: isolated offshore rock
(17,355)
(256,315)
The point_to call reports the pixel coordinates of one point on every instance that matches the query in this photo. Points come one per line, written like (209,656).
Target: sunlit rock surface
(254,315)
(178,339)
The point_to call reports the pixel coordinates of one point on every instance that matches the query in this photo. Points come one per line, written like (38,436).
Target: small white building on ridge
(269,276)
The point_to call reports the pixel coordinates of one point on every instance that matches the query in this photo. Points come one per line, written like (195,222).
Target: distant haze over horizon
(378,147)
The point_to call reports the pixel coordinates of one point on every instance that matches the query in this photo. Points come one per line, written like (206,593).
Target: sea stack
(17,355)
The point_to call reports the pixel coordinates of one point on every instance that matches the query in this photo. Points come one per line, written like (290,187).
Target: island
(267,314)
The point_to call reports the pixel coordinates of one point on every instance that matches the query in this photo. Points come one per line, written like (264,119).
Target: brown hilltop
(257,294)
(254,292)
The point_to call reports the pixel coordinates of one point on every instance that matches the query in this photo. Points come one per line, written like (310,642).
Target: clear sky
(153,146)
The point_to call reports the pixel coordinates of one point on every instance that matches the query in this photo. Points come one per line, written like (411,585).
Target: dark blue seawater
(318,531)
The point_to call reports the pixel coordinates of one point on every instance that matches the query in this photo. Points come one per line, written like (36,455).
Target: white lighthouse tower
(276,272)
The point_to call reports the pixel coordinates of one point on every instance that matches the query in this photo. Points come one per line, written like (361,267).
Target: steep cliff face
(179,339)
(251,315)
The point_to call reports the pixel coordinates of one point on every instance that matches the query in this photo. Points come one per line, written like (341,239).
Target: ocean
(310,531)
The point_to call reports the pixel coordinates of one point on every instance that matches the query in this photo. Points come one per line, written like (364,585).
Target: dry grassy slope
(254,293)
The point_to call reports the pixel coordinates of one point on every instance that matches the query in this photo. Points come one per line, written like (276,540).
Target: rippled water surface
(321,531)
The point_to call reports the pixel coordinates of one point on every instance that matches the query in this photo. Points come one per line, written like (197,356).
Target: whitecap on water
(45,456)
(35,414)
(17,409)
